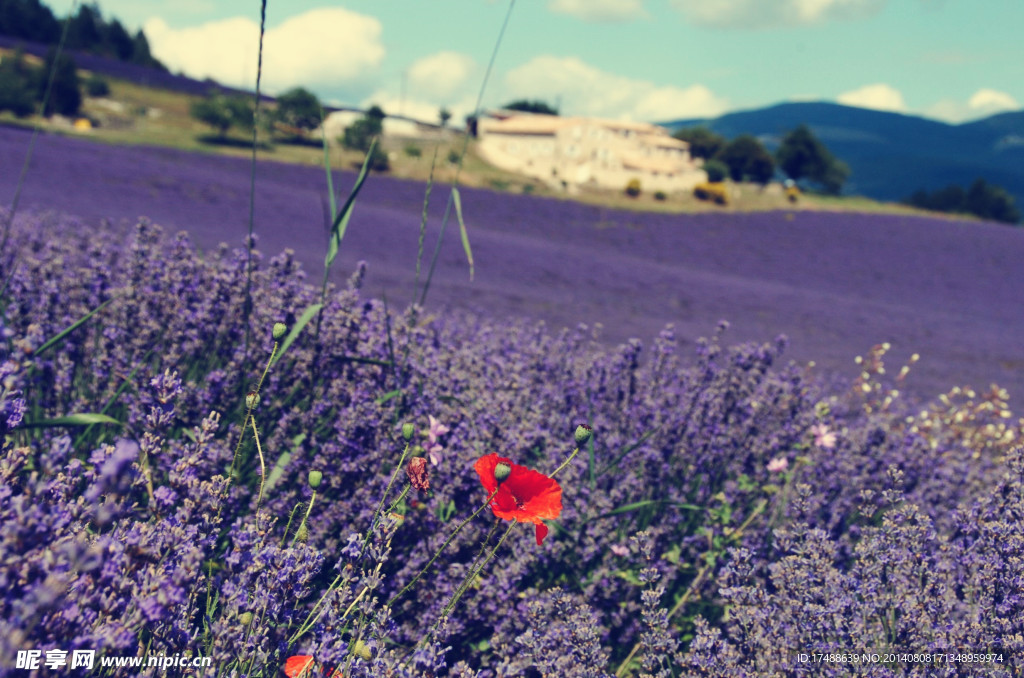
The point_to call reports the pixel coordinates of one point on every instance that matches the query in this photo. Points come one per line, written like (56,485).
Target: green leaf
(628,449)
(277,472)
(388,396)
(327,167)
(644,504)
(75,325)
(462,229)
(304,319)
(342,217)
(81,419)
(629,576)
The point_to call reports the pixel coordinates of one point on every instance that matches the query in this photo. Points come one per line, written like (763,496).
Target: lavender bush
(731,511)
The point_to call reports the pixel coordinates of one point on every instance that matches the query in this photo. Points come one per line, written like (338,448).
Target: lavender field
(346,499)
(835,284)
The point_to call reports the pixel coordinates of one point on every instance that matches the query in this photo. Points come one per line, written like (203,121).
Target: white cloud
(773,13)
(880,97)
(981,104)
(447,79)
(585,90)
(991,101)
(442,75)
(316,48)
(599,10)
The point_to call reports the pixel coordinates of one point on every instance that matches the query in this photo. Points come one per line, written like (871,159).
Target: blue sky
(654,60)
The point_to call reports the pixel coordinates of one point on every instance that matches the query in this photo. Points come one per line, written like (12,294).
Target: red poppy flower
(525,495)
(303,666)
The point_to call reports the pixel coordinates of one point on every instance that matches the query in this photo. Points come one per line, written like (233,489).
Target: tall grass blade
(327,168)
(303,320)
(71,328)
(247,309)
(341,218)
(465,147)
(462,229)
(423,221)
(81,419)
(35,129)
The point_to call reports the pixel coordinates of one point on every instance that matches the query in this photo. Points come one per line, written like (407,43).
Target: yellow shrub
(715,192)
(633,188)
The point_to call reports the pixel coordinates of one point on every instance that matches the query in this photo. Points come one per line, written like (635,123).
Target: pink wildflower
(437,429)
(823,438)
(777,465)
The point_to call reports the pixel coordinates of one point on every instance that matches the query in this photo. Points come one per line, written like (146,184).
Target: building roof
(659,141)
(525,124)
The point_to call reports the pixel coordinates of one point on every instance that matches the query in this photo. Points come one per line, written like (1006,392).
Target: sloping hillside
(892,155)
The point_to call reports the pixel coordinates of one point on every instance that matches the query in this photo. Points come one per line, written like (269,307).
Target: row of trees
(23,86)
(88,31)
(297,113)
(981,199)
(801,156)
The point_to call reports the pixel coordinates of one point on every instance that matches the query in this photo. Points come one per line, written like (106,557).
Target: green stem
(442,548)
(564,463)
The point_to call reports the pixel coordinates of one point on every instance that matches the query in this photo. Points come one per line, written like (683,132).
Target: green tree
(716,170)
(360,134)
(802,156)
(444,115)
(65,93)
(84,32)
(991,202)
(17,85)
(118,41)
(141,54)
(528,106)
(223,112)
(29,19)
(747,160)
(298,108)
(703,142)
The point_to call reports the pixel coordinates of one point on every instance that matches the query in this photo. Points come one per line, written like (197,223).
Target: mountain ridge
(890,154)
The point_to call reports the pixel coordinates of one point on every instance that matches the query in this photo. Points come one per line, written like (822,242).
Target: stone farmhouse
(576,152)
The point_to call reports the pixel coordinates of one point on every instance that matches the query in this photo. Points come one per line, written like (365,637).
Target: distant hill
(891,155)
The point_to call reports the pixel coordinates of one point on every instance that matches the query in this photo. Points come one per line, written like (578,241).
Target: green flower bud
(416,450)
(362,650)
(502,471)
(252,401)
(314,479)
(408,430)
(280,329)
(245,618)
(583,434)
(302,534)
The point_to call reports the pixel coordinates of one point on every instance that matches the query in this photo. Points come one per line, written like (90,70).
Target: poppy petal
(299,665)
(542,531)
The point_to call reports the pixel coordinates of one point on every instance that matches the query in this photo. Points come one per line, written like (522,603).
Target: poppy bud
(583,434)
(407,431)
(302,534)
(502,471)
(279,330)
(245,618)
(252,401)
(314,479)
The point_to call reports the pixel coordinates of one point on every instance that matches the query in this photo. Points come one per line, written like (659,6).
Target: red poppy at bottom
(525,495)
(303,666)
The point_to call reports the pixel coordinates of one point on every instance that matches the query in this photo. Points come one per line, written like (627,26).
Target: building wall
(581,151)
